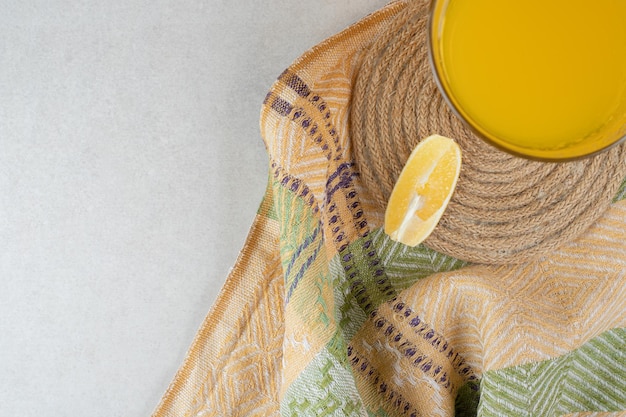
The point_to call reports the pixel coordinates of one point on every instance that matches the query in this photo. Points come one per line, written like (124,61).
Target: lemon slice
(423,190)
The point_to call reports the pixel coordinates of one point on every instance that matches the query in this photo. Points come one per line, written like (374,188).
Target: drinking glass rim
(457,110)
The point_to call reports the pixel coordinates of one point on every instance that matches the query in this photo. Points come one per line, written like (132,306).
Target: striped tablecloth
(324,315)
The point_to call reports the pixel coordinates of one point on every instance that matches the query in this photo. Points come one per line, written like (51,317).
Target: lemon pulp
(423,190)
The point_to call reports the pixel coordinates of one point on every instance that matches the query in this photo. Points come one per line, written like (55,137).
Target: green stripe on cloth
(467,399)
(590,378)
(325,388)
(405,265)
(379,413)
(301,239)
(349,314)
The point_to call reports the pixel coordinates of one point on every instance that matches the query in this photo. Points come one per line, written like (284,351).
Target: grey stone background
(131,167)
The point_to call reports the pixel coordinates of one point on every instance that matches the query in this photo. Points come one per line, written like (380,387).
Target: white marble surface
(131,167)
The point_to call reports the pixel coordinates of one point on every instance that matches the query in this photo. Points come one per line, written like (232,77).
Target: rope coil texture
(505,209)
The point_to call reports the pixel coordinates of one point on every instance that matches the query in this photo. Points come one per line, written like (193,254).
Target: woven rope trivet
(505,209)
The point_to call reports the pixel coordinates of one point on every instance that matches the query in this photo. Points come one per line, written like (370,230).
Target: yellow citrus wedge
(423,190)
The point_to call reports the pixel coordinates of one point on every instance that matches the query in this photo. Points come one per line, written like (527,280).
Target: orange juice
(540,78)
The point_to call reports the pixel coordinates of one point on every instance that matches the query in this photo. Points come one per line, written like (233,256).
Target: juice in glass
(545,79)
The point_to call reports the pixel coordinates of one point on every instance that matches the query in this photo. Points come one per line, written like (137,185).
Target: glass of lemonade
(542,79)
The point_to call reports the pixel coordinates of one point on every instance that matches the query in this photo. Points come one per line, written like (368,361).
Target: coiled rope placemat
(505,209)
